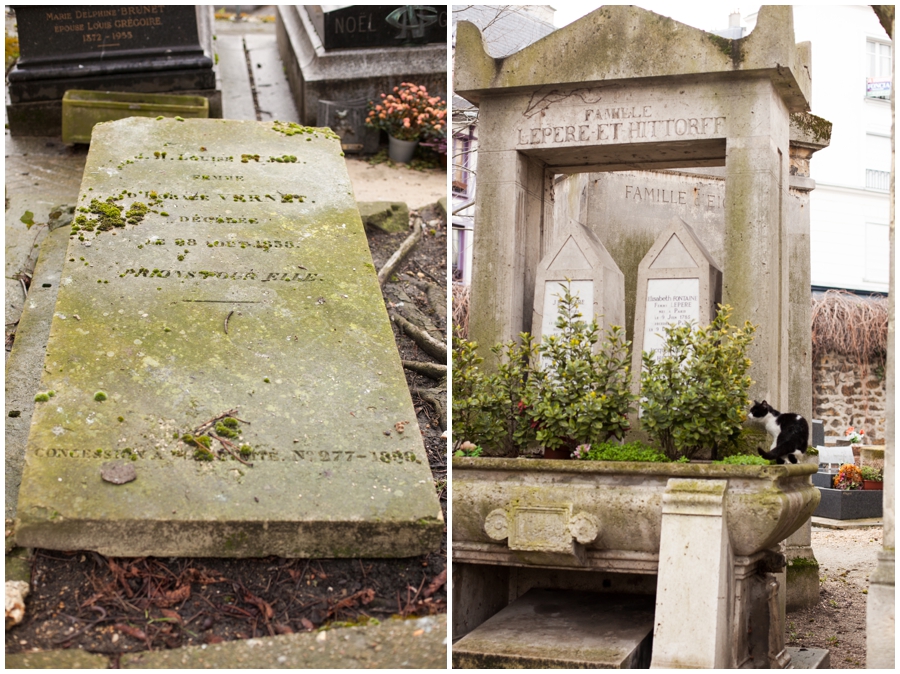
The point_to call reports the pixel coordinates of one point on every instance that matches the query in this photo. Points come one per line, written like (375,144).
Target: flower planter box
(81,110)
(851,504)
(622,518)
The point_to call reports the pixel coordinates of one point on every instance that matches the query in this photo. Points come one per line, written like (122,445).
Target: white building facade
(850,207)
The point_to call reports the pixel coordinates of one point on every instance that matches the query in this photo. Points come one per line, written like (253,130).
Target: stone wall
(842,397)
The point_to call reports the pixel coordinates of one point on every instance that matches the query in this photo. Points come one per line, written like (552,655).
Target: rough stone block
(563,629)
(390,217)
(220,269)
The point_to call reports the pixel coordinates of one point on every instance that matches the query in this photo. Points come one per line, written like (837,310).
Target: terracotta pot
(873,485)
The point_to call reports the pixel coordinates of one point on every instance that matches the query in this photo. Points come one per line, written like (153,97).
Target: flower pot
(873,485)
(401,151)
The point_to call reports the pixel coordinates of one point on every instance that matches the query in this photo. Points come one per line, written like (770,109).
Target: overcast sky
(704,15)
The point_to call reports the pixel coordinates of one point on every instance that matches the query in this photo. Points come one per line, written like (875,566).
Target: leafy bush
(872,474)
(575,396)
(743,460)
(478,406)
(611,451)
(695,395)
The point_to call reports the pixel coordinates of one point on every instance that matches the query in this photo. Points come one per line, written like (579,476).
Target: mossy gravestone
(220,327)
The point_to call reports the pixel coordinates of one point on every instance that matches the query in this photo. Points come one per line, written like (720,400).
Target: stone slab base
(561,628)
(809,658)
(838,504)
(864,523)
(415,644)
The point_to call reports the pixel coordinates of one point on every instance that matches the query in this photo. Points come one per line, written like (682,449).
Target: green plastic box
(82,109)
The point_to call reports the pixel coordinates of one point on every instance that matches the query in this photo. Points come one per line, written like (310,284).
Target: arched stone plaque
(678,282)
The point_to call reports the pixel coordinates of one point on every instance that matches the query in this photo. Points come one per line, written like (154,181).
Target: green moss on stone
(41,398)
(100,396)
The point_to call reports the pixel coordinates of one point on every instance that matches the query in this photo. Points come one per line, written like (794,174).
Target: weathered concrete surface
(629,42)
(296,339)
(70,659)
(562,629)
(407,644)
(25,362)
(390,217)
(809,658)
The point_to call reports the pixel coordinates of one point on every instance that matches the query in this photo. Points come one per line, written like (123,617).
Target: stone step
(809,658)
(563,628)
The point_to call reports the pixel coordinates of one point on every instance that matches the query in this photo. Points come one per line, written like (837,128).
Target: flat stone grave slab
(220,325)
(563,629)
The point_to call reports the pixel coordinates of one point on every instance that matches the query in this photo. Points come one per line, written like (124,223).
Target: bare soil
(83,600)
(838,621)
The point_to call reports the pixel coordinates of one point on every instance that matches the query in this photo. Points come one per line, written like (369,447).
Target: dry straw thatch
(851,326)
(461,310)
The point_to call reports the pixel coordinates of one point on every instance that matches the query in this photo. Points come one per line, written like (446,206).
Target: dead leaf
(172,615)
(176,596)
(264,607)
(307,623)
(283,629)
(436,584)
(131,631)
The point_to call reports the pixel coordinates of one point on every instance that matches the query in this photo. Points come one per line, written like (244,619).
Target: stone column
(509,213)
(808,135)
(756,251)
(693,610)
(880,607)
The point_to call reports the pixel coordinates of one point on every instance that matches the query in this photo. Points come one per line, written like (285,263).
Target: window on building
(878,69)
(459,258)
(462,163)
(877,253)
(878,162)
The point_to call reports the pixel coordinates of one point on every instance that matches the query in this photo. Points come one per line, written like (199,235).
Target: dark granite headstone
(348,120)
(359,26)
(818,433)
(146,48)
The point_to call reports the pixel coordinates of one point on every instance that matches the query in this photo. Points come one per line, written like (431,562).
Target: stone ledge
(416,644)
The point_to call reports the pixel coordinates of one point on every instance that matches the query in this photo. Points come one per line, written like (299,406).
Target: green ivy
(612,451)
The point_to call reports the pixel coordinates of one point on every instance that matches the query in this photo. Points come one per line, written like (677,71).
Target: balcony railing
(878,180)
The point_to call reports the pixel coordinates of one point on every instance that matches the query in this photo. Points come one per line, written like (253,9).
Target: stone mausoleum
(630,125)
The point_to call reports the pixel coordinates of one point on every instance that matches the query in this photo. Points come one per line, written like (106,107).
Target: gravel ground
(838,621)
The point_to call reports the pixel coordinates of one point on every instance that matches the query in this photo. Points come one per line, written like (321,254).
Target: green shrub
(695,395)
(573,395)
(479,411)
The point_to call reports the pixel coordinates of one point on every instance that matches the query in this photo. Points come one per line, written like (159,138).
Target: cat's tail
(766,455)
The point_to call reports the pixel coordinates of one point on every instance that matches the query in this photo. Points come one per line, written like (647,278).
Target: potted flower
(854,436)
(848,477)
(872,478)
(408,114)
(575,395)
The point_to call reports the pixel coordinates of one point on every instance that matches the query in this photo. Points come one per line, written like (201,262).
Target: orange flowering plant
(409,113)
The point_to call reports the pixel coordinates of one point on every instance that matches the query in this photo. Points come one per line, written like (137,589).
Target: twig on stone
(426,342)
(226,320)
(202,428)
(435,371)
(408,244)
(228,448)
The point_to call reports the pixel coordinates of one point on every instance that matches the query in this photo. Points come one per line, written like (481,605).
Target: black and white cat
(791,432)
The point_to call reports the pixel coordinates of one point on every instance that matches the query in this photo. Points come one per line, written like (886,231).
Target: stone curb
(395,644)
(390,217)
